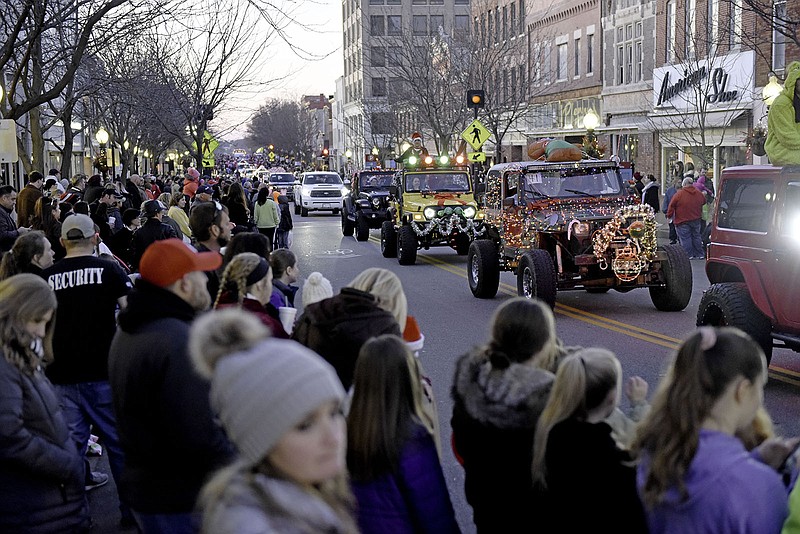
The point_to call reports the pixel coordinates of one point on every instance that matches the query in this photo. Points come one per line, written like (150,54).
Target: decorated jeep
(367,204)
(753,261)
(432,204)
(573,226)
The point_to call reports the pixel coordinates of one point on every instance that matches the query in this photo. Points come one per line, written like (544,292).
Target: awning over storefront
(693,121)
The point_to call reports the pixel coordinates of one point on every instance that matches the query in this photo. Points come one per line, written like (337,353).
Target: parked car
(753,260)
(573,226)
(318,191)
(367,204)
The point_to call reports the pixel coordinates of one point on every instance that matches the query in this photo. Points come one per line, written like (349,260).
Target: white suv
(319,191)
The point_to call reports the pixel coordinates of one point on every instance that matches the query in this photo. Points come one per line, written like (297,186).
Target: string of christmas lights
(639,237)
(447,223)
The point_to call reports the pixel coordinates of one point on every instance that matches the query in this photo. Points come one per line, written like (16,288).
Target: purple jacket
(729,491)
(412,500)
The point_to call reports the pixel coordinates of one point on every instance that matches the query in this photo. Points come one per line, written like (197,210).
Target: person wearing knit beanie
(280,405)
(316,288)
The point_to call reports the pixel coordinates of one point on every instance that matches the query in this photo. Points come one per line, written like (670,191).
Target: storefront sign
(718,81)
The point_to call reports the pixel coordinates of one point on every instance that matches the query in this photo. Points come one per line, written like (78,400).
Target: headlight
(376,201)
(305,191)
(430,213)
(469,212)
(418,217)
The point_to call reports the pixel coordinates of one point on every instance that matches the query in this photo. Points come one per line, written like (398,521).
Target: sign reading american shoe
(716,81)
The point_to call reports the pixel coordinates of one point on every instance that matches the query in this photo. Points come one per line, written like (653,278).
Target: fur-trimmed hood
(506,398)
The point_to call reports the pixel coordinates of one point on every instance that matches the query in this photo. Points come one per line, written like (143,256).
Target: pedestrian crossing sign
(476,134)
(476,157)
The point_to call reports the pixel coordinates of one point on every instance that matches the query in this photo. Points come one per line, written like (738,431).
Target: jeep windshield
(565,183)
(313,179)
(281,178)
(373,181)
(437,182)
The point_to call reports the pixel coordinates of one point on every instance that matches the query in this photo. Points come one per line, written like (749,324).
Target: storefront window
(626,146)
(731,156)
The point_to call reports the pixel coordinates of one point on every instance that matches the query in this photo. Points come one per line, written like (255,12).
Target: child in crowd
(695,474)
(284,272)
(285,225)
(576,459)
(391,453)
(316,288)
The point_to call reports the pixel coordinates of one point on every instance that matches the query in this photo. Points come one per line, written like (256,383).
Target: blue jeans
(690,237)
(91,403)
(167,523)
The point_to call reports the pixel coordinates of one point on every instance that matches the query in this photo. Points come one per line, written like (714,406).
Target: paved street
(453,321)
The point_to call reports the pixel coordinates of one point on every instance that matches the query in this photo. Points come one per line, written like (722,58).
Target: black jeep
(366,205)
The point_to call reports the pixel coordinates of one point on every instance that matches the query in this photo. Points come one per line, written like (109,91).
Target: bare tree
(282,123)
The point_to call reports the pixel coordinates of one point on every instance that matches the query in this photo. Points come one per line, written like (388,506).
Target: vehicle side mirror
(393,190)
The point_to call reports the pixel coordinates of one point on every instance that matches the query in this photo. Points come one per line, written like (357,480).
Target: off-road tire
(406,246)
(483,269)
(362,228)
(536,276)
(347,225)
(729,304)
(388,240)
(462,244)
(303,212)
(297,207)
(678,278)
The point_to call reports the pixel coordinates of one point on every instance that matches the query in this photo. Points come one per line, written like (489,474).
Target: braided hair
(234,278)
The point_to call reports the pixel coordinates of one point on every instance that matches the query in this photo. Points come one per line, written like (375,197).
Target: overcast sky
(322,38)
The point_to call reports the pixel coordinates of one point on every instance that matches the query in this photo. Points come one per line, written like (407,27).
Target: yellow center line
(656,338)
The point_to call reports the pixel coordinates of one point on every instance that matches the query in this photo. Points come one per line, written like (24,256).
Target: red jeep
(754,257)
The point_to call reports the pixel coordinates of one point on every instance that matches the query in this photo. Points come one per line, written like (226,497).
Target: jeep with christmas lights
(432,204)
(753,260)
(573,226)
(367,204)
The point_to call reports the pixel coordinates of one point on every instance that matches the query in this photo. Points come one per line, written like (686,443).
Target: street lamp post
(102,138)
(590,122)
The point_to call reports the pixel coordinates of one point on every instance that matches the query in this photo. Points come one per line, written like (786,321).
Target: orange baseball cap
(167,261)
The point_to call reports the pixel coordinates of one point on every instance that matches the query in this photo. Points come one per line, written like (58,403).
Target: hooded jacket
(783,122)
(650,195)
(728,490)
(337,327)
(494,421)
(686,205)
(167,429)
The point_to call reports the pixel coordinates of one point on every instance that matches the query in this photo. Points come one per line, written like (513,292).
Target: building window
(376,25)
(419,2)
(394,2)
(505,23)
(689,29)
(712,26)
(376,2)
(420,24)
(629,54)
(461,2)
(521,17)
(779,21)
(735,32)
(489,27)
(378,56)
(395,56)
(437,2)
(513,21)
(577,57)
(437,21)
(561,66)
(548,63)
(670,28)
(378,86)
(620,65)
(461,24)
(639,59)
(514,83)
(394,25)
(589,53)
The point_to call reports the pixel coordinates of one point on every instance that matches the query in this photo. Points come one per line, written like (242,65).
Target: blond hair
(385,286)
(235,275)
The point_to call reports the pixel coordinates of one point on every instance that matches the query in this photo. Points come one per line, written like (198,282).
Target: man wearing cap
(151,231)
(88,290)
(27,197)
(121,243)
(8,226)
(204,193)
(171,441)
(74,194)
(112,199)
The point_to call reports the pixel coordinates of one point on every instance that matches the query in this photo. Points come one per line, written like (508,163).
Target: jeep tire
(536,276)
(388,240)
(677,278)
(483,269)
(347,225)
(406,245)
(462,245)
(729,304)
(362,228)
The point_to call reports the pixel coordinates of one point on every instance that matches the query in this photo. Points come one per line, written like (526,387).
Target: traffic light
(271,147)
(475,98)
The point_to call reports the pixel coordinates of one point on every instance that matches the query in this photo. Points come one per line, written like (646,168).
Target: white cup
(111,221)
(287,315)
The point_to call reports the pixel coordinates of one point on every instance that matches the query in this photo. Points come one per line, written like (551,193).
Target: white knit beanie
(316,288)
(261,393)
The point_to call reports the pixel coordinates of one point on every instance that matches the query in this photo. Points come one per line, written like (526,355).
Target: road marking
(337,253)
(778,373)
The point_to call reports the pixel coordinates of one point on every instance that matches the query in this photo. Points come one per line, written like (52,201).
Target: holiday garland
(641,241)
(447,220)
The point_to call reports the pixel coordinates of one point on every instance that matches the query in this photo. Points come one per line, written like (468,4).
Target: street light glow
(591,120)
(101,136)
(348,153)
